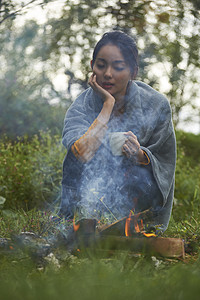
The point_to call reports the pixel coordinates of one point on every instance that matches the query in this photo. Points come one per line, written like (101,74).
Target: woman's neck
(119,106)
(120,102)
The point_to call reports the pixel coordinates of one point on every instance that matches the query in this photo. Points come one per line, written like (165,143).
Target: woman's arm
(85,147)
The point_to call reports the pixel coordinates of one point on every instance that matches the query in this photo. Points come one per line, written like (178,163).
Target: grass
(119,277)
(29,176)
(90,276)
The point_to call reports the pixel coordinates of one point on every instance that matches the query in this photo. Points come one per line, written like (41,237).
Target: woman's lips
(107,85)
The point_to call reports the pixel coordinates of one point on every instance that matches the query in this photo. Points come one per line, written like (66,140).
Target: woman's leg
(143,191)
(69,200)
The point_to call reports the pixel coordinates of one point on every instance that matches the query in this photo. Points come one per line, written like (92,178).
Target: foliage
(13,222)
(169,51)
(32,168)
(26,91)
(32,55)
(187,185)
(189,146)
(124,276)
(10,9)
(22,117)
(31,171)
(121,275)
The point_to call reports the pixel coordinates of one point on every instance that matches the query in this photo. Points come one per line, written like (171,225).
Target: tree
(163,38)
(26,89)
(167,35)
(10,9)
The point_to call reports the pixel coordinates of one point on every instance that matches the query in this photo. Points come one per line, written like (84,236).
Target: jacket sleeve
(161,149)
(78,118)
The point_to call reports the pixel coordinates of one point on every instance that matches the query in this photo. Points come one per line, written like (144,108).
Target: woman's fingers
(130,134)
(130,149)
(93,82)
(131,145)
(96,87)
(132,141)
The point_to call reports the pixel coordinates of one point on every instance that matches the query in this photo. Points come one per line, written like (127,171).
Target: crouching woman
(121,148)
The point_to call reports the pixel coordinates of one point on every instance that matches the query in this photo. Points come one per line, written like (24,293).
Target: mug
(117,140)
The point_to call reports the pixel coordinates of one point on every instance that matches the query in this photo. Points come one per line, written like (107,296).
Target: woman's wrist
(143,157)
(109,102)
(106,111)
(140,155)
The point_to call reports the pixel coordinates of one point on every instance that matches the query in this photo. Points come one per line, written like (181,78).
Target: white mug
(117,140)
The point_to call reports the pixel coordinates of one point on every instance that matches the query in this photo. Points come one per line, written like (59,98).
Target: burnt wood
(112,238)
(118,228)
(158,246)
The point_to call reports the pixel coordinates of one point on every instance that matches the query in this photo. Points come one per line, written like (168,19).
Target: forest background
(45,53)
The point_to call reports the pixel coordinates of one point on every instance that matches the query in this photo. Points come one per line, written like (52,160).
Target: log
(157,246)
(86,226)
(118,228)
(111,238)
(85,233)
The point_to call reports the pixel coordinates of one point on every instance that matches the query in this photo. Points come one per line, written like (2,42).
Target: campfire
(131,234)
(138,228)
(127,234)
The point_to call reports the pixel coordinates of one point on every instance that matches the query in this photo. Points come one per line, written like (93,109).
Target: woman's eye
(100,66)
(119,68)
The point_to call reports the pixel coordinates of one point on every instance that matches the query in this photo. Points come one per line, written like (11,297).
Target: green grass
(30,178)
(31,171)
(93,276)
(122,277)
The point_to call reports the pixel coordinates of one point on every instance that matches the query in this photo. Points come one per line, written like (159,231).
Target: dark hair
(125,43)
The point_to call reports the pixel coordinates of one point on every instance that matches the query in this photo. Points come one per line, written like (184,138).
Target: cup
(117,140)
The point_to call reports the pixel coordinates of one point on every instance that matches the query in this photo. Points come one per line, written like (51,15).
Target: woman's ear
(91,64)
(133,76)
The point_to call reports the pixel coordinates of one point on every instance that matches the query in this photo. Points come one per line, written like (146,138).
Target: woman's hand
(101,91)
(131,147)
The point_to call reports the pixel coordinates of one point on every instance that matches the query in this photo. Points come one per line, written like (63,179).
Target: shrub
(31,171)
(187,181)
(189,144)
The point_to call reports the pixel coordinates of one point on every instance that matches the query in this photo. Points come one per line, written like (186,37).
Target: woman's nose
(108,72)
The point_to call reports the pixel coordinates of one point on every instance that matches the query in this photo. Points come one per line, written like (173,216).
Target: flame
(143,232)
(138,228)
(148,234)
(75,226)
(127,225)
(136,225)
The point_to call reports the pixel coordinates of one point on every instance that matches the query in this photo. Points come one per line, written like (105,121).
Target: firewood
(85,233)
(158,246)
(86,226)
(118,228)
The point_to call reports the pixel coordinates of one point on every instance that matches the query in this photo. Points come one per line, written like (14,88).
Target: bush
(189,144)
(31,171)
(187,198)
(22,117)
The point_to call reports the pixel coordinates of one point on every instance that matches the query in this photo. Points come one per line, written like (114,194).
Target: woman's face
(112,72)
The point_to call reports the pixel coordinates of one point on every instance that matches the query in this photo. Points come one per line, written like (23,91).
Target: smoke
(112,185)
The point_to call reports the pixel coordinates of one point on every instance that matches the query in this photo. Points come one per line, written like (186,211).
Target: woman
(120,141)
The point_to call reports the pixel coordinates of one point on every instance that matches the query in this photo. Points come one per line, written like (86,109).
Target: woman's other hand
(101,91)
(131,148)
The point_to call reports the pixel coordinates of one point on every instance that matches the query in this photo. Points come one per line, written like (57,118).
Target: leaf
(163,17)
(9,213)
(2,200)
